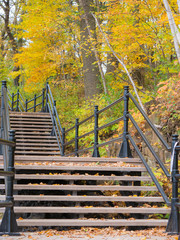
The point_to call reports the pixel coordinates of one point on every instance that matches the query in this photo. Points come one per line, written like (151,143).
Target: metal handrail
(150,147)
(57,129)
(150,171)
(150,123)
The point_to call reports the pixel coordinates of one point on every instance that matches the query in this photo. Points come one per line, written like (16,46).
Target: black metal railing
(95,132)
(43,102)
(50,107)
(17,102)
(7,147)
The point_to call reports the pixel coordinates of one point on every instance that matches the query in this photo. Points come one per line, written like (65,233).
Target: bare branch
(120,61)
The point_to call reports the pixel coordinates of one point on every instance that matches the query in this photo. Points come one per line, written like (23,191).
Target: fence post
(63,141)
(2,110)
(54,122)
(46,108)
(12,103)
(173,226)
(76,137)
(17,106)
(9,224)
(43,92)
(125,150)
(34,102)
(96,131)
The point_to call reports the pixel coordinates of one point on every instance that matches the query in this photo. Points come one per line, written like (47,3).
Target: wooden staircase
(51,190)
(33,133)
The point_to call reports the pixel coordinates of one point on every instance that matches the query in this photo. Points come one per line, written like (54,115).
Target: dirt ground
(94,234)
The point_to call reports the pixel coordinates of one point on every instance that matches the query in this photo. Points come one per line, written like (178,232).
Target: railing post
(63,141)
(46,108)
(43,93)
(125,150)
(34,102)
(54,122)
(9,224)
(17,106)
(96,131)
(2,110)
(12,103)
(26,103)
(173,226)
(76,137)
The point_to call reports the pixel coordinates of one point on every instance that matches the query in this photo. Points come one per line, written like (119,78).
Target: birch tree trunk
(174,30)
(178,3)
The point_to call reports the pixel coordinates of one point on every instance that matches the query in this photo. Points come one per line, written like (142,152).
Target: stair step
(30,120)
(93,222)
(36,153)
(81,177)
(32,141)
(24,122)
(90,209)
(21,129)
(33,135)
(38,148)
(80,187)
(77,159)
(80,168)
(86,198)
(47,144)
(24,127)
(29,114)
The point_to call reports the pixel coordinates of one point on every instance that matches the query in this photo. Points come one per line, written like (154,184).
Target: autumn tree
(10,16)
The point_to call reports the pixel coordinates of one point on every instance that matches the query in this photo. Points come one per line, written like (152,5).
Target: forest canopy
(90,49)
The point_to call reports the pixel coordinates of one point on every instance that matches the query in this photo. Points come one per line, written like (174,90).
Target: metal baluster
(96,131)
(2,110)
(26,103)
(17,106)
(63,141)
(9,224)
(46,109)
(125,150)
(12,103)
(76,137)
(43,93)
(173,226)
(34,102)
(54,121)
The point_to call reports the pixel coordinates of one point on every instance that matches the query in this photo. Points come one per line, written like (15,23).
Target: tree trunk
(174,29)
(90,65)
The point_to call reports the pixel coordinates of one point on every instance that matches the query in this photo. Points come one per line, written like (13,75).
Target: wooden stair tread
(81,187)
(82,177)
(48,144)
(15,126)
(33,136)
(21,141)
(81,168)
(43,209)
(25,122)
(93,222)
(41,114)
(31,129)
(76,159)
(38,148)
(86,198)
(36,153)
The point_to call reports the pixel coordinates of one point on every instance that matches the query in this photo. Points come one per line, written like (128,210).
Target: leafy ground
(95,234)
